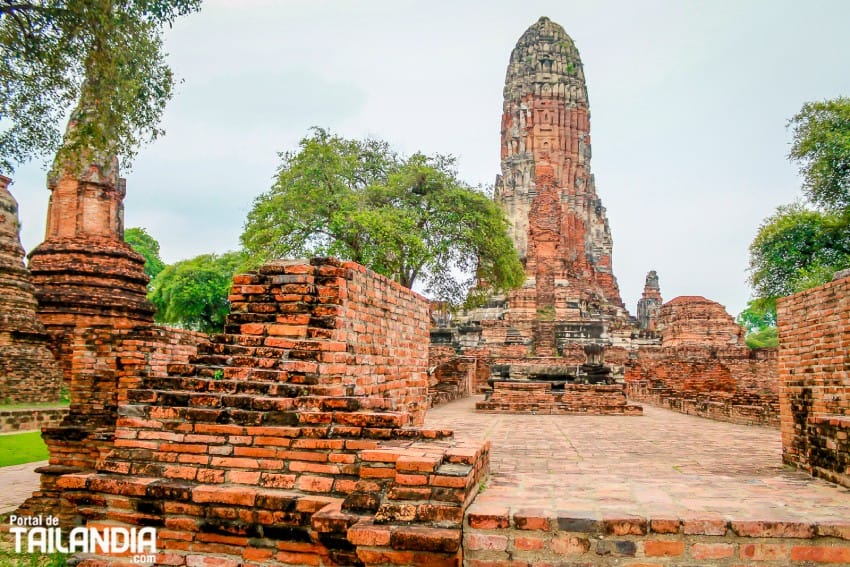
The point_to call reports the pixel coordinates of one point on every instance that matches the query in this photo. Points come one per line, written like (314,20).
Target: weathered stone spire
(650,302)
(546,128)
(28,371)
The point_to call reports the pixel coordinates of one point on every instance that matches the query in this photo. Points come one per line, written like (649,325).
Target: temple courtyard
(648,484)
(660,465)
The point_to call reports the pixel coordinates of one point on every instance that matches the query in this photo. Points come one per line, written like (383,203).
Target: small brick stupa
(84,272)
(90,287)
(28,371)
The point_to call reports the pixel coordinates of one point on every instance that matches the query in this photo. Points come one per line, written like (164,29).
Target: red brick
(704,527)
(488,518)
(663,548)
(624,526)
(773,529)
(821,554)
(563,544)
(485,542)
(310,483)
(765,551)
(531,519)
(712,550)
(369,535)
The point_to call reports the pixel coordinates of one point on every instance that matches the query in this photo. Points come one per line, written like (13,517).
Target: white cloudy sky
(689,102)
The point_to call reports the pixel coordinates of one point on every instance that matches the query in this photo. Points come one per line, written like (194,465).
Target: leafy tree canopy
(766,337)
(822,148)
(408,218)
(797,248)
(193,293)
(759,320)
(105,55)
(147,246)
(760,313)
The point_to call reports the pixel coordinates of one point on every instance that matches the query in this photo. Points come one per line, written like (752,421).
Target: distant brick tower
(546,177)
(649,303)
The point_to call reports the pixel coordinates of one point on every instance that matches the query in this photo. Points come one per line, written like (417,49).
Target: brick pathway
(17,483)
(662,464)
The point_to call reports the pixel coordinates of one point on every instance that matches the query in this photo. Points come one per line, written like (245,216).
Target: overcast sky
(689,104)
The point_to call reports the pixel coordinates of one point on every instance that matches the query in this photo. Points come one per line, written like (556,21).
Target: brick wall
(703,367)
(104,363)
(30,419)
(496,538)
(451,377)
(732,384)
(350,328)
(275,444)
(814,369)
(575,399)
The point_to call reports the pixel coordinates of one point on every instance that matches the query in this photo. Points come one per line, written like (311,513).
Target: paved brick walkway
(661,464)
(17,483)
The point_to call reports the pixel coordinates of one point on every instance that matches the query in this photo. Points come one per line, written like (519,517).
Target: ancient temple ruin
(296,436)
(28,371)
(536,341)
(558,222)
(570,303)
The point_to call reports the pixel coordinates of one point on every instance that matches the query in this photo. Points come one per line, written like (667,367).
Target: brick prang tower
(558,223)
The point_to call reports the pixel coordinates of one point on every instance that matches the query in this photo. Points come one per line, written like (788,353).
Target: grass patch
(12,559)
(22,448)
(7,407)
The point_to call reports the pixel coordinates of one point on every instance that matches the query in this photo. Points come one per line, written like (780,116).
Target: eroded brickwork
(287,439)
(814,369)
(451,377)
(573,399)
(557,220)
(692,320)
(105,363)
(28,371)
(31,419)
(85,274)
(498,538)
(703,367)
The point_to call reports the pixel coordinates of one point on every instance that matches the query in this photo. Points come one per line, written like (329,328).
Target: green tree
(797,248)
(408,218)
(759,320)
(767,337)
(147,246)
(193,293)
(105,56)
(821,146)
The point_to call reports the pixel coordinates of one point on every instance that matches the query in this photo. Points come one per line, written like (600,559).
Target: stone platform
(668,489)
(540,398)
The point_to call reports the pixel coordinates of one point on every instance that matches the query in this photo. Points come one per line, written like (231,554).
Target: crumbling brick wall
(814,370)
(346,325)
(737,385)
(451,377)
(31,419)
(104,364)
(28,370)
(277,445)
(702,367)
